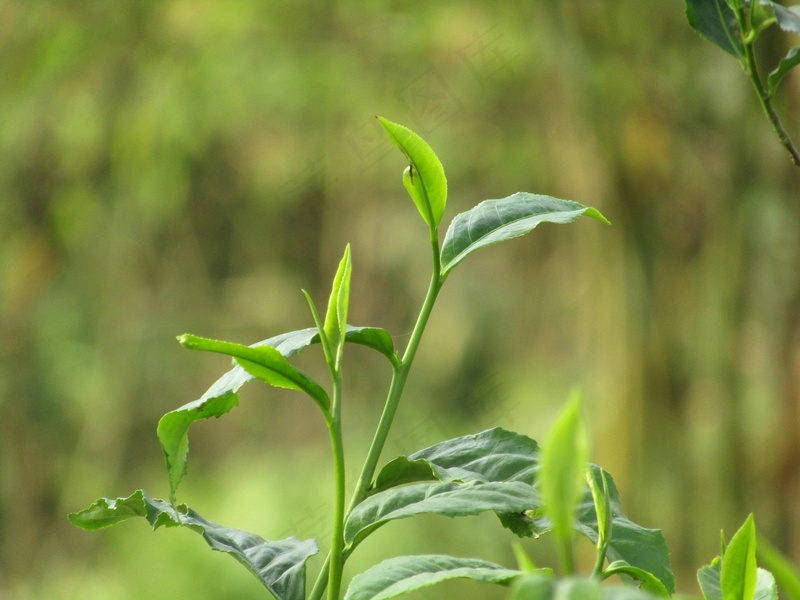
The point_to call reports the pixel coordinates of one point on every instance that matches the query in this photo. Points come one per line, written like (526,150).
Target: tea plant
(734,26)
(530,491)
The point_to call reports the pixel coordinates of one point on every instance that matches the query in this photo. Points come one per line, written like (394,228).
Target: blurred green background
(190,165)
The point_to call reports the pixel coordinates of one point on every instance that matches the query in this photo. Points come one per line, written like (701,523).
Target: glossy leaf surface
(264,362)
(494,221)
(436,498)
(424,179)
(336,318)
(715,21)
(788,62)
(404,574)
(739,571)
(279,566)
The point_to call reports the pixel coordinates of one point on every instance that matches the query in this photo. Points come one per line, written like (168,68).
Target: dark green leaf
(788,62)
(492,455)
(716,21)
(739,569)
(709,579)
(424,179)
(786,573)
(640,547)
(494,221)
(435,498)
(279,566)
(404,574)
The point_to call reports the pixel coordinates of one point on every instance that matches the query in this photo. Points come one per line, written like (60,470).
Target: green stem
(567,557)
(399,381)
(336,563)
(399,378)
(751,68)
(602,549)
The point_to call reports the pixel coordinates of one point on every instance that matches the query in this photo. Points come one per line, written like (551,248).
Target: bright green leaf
(788,62)
(494,221)
(173,428)
(279,566)
(716,21)
(336,318)
(435,498)
(564,458)
(264,362)
(602,506)
(424,178)
(223,394)
(739,570)
(404,574)
(648,581)
(785,572)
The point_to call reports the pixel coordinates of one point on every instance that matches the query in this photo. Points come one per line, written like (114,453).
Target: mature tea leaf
(709,579)
(435,498)
(404,574)
(492,455)
(541,587)
(494,221)
(424,179)
(279,566)
(716,21)
(639,546)
(739,571)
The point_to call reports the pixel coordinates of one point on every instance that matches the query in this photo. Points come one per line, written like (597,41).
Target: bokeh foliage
(190,165)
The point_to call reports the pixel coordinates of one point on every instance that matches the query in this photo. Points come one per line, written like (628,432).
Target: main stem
(399,380)
(334,563)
